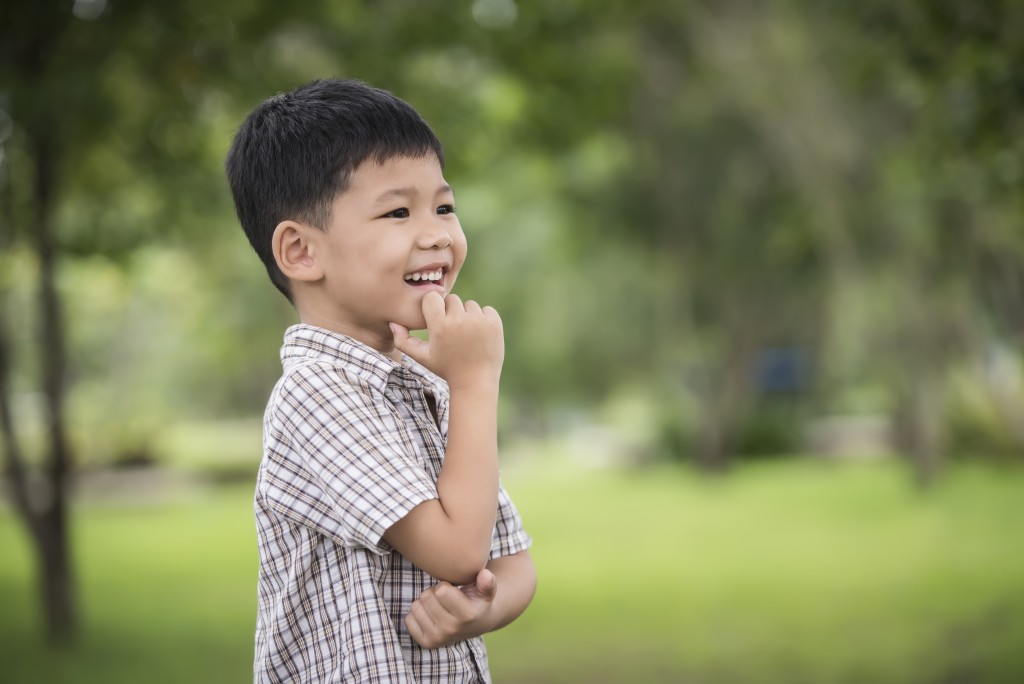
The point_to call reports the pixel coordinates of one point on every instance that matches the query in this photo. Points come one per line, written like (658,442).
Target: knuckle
(453,627)
(460,616)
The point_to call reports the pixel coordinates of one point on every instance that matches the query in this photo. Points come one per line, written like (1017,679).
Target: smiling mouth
(426,278)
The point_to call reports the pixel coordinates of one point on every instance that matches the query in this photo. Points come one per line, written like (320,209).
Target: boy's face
(393,237)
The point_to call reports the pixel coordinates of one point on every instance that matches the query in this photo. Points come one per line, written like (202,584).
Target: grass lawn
(785,572)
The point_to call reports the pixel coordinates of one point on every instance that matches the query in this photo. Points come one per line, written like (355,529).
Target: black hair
(295,153)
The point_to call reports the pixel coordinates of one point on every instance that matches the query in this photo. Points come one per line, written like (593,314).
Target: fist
(444,614)
(466,341)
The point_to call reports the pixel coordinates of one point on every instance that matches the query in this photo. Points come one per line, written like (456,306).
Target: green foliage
(772,428)
(218,451)
(983,414)
(652,192)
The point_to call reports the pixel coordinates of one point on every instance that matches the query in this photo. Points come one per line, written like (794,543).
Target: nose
(433,235)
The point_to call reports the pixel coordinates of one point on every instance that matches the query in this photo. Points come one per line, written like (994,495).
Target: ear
(295,251)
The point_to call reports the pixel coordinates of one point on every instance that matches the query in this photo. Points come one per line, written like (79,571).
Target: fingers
(444,614)
(404,342)
(418,635)
(450,600)
(491,314)
(429,622)
(434,308)
(421,627)
(466,342)
(453,304)
(400,332)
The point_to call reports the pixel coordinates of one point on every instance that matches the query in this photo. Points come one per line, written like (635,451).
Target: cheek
(459,258)
(459,247)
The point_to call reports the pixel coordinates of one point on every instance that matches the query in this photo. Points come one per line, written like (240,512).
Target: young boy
(387,545)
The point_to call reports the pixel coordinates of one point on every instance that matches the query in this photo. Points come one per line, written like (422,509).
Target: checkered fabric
(350,447)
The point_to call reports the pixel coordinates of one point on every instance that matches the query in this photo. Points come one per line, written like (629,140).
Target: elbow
(462,569)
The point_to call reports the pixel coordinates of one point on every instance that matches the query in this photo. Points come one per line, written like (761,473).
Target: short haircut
(295,153)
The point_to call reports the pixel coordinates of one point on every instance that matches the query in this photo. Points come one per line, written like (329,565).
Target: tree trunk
(726,400)
(918,432)
(29,48)
(51,530)
(57,586)
(711,454)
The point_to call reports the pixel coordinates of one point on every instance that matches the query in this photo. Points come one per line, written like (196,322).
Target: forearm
(517,581)
(450,537)
(444,614)
(467,485)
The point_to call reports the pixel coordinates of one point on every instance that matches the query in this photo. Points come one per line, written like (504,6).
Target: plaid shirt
(350,447)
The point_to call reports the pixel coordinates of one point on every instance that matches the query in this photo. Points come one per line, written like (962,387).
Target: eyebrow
(397,193)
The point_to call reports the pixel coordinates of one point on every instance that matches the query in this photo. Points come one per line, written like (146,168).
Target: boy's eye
(446,209)
(397,213)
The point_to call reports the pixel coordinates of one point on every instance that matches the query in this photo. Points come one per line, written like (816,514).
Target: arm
(445,614)
(450,537)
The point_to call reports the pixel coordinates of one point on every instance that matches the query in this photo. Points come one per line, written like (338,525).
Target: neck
(381,340)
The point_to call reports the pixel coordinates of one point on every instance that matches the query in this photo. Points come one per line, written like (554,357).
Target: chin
(414,322)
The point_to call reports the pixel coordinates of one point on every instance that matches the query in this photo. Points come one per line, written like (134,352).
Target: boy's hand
(466,343)
(444,614)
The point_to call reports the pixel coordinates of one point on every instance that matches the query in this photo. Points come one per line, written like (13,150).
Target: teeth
(432,276)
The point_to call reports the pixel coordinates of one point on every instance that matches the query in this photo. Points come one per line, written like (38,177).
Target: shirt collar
(427,378)
(310,342)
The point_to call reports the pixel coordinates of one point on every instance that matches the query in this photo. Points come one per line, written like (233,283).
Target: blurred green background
(761,268)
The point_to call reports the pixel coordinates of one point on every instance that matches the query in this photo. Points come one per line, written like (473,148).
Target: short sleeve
(509,535)
(338,460)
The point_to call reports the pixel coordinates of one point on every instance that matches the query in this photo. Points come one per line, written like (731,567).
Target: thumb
(413,346)
(486,585)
